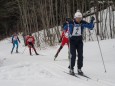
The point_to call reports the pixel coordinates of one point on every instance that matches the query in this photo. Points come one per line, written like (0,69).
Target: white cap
(78,14)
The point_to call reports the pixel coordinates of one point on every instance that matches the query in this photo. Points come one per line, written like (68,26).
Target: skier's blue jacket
(83,24)
(15,39)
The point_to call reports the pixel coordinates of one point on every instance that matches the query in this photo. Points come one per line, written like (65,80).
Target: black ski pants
(76,43)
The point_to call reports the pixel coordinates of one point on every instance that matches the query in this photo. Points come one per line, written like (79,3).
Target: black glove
(25,44)
(69,20)
(92,18)
(60,40)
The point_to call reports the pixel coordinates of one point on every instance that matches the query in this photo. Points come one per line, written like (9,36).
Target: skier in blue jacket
(76,28)
(15,41)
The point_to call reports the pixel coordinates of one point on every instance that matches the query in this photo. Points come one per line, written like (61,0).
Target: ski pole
(101,52)
(24,50)
(96,14)
(69,48)
(69,55)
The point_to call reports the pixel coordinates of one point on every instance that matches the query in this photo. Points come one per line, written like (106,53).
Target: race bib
(76,30)
(30,40)
(15,38)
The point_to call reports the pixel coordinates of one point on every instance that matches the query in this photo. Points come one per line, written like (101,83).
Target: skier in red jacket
(64,38)
(30,41)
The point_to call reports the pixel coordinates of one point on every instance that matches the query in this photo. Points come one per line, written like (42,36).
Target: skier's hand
(70,35)
(60,40)
(68,20)
(25,44)
(92,18)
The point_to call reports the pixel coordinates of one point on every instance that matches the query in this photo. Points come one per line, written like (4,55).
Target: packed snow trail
(25,70)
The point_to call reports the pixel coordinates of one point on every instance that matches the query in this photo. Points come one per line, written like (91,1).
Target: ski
(41,55)
(83,76)
(71,75)
(38,55)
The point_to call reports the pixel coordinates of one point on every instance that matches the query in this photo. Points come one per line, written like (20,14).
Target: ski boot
(37,54)
(17,51)
(55,57)
(80,72)
(71,72)
(11,52)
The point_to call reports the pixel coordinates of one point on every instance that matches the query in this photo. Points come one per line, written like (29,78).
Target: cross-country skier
(30,41)
(15,40)
(75,37)
(64,38)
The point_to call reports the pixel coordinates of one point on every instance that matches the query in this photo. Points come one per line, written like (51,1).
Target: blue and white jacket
(76,29)
(15,38)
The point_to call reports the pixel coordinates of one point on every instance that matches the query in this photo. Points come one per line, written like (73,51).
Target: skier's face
(78,20)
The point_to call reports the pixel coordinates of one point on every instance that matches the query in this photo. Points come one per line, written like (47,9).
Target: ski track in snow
(24,70)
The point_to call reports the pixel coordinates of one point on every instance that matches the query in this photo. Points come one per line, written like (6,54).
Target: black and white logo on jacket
(76,30)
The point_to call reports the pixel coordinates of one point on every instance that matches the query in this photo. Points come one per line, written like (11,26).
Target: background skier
(30,41)
(64,37)
(15,40)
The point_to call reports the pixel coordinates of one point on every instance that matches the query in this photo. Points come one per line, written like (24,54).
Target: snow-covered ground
(24,70)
